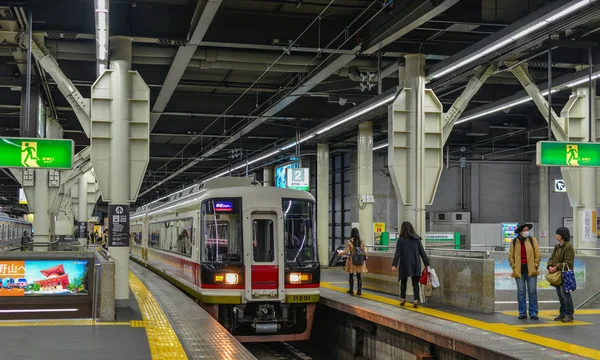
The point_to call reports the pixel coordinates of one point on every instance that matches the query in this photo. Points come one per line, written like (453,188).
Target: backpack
(358,256)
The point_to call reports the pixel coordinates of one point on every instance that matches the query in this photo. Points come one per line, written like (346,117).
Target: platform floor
(160,323)
(536,339)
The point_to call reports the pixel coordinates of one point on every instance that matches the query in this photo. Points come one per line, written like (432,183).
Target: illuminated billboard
(43,277)
(281,173)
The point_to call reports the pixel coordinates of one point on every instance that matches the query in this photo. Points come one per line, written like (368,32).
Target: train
(246,252)
(11,231)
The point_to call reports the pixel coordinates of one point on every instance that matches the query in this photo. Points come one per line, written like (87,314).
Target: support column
(41,220)
(544,208)
(365,181)
(268,177)
(120,64)
(323,203)
(82,215)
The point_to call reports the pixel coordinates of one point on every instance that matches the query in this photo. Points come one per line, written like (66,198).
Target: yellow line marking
(498,328)
(164,343)
(555,312)
(555,323)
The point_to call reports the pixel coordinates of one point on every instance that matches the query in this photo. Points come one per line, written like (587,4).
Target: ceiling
(267,70)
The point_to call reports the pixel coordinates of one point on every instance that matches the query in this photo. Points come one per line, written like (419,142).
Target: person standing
(524,258)
(354,243)
(563,256)
(25,240)
(409,252)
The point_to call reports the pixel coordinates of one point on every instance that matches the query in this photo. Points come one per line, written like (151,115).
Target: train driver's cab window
(299,231)
(222,230)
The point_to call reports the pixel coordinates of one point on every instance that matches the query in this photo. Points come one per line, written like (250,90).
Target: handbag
(424,276)
(555,278)
(568,279)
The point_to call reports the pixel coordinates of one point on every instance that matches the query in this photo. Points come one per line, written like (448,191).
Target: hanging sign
(298,179)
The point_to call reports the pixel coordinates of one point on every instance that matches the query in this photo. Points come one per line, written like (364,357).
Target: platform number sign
(560,186)
(298,179)
(118,227)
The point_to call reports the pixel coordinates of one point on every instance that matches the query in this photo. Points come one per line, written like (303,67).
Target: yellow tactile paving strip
(13,323)
(516,332)
(164,343)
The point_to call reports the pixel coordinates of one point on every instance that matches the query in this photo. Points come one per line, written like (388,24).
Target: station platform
(481,336)
(161,323)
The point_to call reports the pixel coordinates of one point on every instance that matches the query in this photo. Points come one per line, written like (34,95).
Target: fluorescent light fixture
(16,311)
(289,146)
(380,146)
(101,68)
(263,157)
(358,113)
(101,53)
(299,142)
(582,81)
(101,5)
(524,31)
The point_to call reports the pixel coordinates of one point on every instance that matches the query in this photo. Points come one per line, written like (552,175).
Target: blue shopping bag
(568,279)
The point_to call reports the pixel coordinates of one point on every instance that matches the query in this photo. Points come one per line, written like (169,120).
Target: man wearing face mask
(524,258)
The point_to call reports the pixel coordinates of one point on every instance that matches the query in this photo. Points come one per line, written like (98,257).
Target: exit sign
(554,153)
(34,153)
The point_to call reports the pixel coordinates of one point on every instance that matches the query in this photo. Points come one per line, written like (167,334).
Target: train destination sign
(32,153)
(554,153)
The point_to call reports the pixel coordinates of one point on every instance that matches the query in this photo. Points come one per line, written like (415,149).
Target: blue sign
(223,206)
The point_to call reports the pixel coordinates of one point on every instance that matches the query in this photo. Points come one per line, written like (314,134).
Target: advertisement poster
(504,281)
(589,225)
(43,277)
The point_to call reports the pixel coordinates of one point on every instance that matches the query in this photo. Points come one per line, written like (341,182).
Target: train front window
(299,231)
(263,240)
(222,230)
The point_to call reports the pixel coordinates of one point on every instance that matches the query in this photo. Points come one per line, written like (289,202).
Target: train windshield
(299,231)
(222,231)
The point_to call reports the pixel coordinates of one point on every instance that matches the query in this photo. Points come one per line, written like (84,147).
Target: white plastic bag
(435,282)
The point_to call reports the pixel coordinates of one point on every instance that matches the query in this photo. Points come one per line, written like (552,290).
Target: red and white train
(248,253)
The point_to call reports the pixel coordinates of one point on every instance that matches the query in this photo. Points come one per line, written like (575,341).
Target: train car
(248,253)
(11,231)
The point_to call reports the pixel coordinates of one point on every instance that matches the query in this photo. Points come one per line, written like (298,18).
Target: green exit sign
(34,153)
(554,153)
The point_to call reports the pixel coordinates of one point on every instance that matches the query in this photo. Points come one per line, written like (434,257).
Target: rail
(437,250)
(587,300)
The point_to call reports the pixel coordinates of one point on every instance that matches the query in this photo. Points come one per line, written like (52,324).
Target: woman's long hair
(355,237)
(407,231)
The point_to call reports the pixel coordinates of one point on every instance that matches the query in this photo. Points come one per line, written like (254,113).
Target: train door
(264,274)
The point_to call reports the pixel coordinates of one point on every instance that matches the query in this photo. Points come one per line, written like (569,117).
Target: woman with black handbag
(562,255)
(355,264)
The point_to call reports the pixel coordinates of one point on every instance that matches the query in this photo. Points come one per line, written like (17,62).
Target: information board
(554,153)
(281,173)
(36,153)
(118,225)
(298,179)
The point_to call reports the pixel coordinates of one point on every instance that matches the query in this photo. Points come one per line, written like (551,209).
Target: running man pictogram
(28,154)
(572,155)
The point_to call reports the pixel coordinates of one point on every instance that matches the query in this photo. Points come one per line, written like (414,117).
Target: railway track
(276,351)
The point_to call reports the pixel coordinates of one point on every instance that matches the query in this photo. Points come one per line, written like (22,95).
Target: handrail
(588,300)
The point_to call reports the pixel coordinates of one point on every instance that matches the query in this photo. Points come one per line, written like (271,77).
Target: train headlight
(231,279)
(228,278)
(299,278)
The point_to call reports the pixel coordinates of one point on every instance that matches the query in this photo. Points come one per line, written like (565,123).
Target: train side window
(172,235)
(221,236)
(136,234)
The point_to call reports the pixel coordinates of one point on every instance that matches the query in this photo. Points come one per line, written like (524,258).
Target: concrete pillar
(268,176)
(587,181)
(365,181)
(544,209)
(323,203)
(41,220)
(82,215)
(120,177)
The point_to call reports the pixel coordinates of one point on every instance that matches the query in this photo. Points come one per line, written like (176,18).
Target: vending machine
(508,234)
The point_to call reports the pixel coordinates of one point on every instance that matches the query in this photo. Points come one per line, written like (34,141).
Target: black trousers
(415,284)
(357,277)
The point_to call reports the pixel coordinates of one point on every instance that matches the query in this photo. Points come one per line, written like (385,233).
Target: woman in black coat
(408,250)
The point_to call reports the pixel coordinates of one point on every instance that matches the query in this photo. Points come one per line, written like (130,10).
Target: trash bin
(384,240)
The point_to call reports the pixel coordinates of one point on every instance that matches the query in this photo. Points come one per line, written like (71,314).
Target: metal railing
(433,250)
(97,277)
(543,249)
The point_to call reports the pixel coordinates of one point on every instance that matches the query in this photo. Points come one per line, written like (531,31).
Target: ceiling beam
(283,99)
(207,10)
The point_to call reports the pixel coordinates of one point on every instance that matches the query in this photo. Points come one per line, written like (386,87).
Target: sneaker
(534,317)
(522,317)
(567,319)
(559,318)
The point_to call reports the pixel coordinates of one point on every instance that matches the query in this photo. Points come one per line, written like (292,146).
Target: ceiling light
(101,5)
(101,68)
(358,113)
(102,37)
(102,21)
(263,157)
(527,30)
(101,53)
(380,146)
